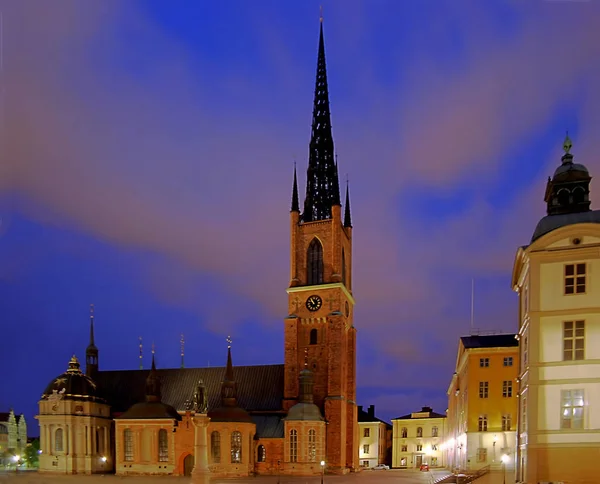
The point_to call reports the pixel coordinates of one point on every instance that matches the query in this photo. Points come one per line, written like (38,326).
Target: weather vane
(567,145)
(229,341)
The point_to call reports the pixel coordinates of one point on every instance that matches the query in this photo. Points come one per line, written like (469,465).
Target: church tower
(320,300)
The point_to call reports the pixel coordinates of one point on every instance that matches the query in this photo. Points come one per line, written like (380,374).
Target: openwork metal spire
(322,185)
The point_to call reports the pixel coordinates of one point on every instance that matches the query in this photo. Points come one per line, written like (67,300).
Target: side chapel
(235,421)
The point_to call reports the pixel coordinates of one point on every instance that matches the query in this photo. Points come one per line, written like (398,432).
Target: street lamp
(504,461)
(322,470)
(494,446)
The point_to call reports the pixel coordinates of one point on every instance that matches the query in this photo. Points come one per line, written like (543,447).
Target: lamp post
(322,470)
(16,458)
(504,461)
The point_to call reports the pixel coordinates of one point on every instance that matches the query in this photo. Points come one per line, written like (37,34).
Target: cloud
(168,151)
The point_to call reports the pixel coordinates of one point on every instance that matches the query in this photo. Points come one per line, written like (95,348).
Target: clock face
(314,303)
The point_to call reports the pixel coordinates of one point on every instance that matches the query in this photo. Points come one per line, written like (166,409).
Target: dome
(304,411)
(570,171)
(73,384)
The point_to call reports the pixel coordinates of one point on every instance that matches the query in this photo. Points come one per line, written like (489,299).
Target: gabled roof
(259,388)
(489,341)
(365,417)
(269,426)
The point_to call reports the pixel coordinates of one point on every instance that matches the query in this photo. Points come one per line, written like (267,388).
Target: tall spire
(347,217)
(322,186)
(229,387)
(153,393)
(91,352)
(295,202)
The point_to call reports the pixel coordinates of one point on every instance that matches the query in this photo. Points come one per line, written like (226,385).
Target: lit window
(404,448)
(483,423)
(366,449)
(404,432)
(128,447)
(293,445)
(163,446)
(312,445)
(419,431)
(367,433)
(419,447)
(506,422)
(507,388)
(575,278)
(572,409)
(573,340)
(483,389)
(236,447)
(484,362)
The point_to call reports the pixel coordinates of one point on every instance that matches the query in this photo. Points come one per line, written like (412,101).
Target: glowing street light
(103,458)
(322,470)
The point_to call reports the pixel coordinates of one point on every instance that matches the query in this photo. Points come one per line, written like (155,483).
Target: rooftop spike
(322,186)
(295,202)
(141,355)
(92,325)
(91,352)
(347,217)
(182,341)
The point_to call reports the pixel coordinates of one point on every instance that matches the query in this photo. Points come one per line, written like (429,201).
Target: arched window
(215,447)
(313,336)
(564,196)
(578,195)
(262,454)
(293,445)
(315,263)
(236,447)
(419,431)
(128,445)
(163,446)
(312,445)
(58,440)
(404,432)
(434,432)
(344,267)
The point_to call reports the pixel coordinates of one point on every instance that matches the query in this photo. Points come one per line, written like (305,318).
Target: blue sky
(146,166)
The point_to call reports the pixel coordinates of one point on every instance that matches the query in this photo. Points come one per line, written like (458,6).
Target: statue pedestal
(201,473)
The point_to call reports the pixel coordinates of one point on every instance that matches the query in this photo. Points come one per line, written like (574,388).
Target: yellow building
(375,439)
(482,403)
(557,277)
(418,439)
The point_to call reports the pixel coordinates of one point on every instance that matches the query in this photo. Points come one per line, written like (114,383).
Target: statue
(200,401)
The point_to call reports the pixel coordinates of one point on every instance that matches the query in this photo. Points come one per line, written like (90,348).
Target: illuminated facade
(557,278)
(375,439)
(482,403)
(418,439)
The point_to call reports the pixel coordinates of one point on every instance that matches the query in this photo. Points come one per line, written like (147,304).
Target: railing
(470,478)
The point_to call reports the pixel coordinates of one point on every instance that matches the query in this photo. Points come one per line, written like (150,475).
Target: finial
(153,348)
(321,13)
(92,311)
(229,341)
(306,357)
(141,356)
(568,144)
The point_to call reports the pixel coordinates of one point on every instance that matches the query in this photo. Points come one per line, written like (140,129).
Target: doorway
(419,460)
(188,465)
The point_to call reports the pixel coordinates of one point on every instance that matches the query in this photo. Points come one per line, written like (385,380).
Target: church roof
(260,387)
(269,426)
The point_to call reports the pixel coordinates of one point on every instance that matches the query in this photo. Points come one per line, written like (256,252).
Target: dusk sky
(146,166)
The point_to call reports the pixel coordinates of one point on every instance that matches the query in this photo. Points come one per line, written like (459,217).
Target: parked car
(424,467)
(381,467)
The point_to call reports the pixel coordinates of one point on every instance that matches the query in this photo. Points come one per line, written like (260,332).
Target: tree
(31,456)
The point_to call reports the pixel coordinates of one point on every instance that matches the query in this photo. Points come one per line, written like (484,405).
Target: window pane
(568,344)
(580,268)
(569,270)
(569,289)
(568,355)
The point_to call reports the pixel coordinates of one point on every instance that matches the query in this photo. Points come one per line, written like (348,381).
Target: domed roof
(570,171)
(73,384)
(304,411)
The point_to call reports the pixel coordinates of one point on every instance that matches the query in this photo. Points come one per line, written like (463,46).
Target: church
(295,418)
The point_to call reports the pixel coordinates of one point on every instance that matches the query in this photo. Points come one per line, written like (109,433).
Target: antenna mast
(141,355)
(182,341)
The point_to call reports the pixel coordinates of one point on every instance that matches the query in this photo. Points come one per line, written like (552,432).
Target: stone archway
(188,465)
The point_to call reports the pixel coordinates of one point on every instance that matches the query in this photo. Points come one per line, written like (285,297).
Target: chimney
(372,411)
(360,408)
(427,409)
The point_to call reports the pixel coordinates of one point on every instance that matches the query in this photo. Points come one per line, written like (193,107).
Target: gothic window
(236,447)
(315,263)
(404,432)
(344,267)
(313,336)
(419,431)
(163,446)
(58,440)
(262,454)
(128,445)
(215,447)
(312,445)
(293,445)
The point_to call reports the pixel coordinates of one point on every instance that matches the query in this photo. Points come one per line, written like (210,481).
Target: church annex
(234,421)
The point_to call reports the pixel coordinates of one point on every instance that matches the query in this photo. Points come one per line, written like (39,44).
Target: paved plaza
(370,477)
